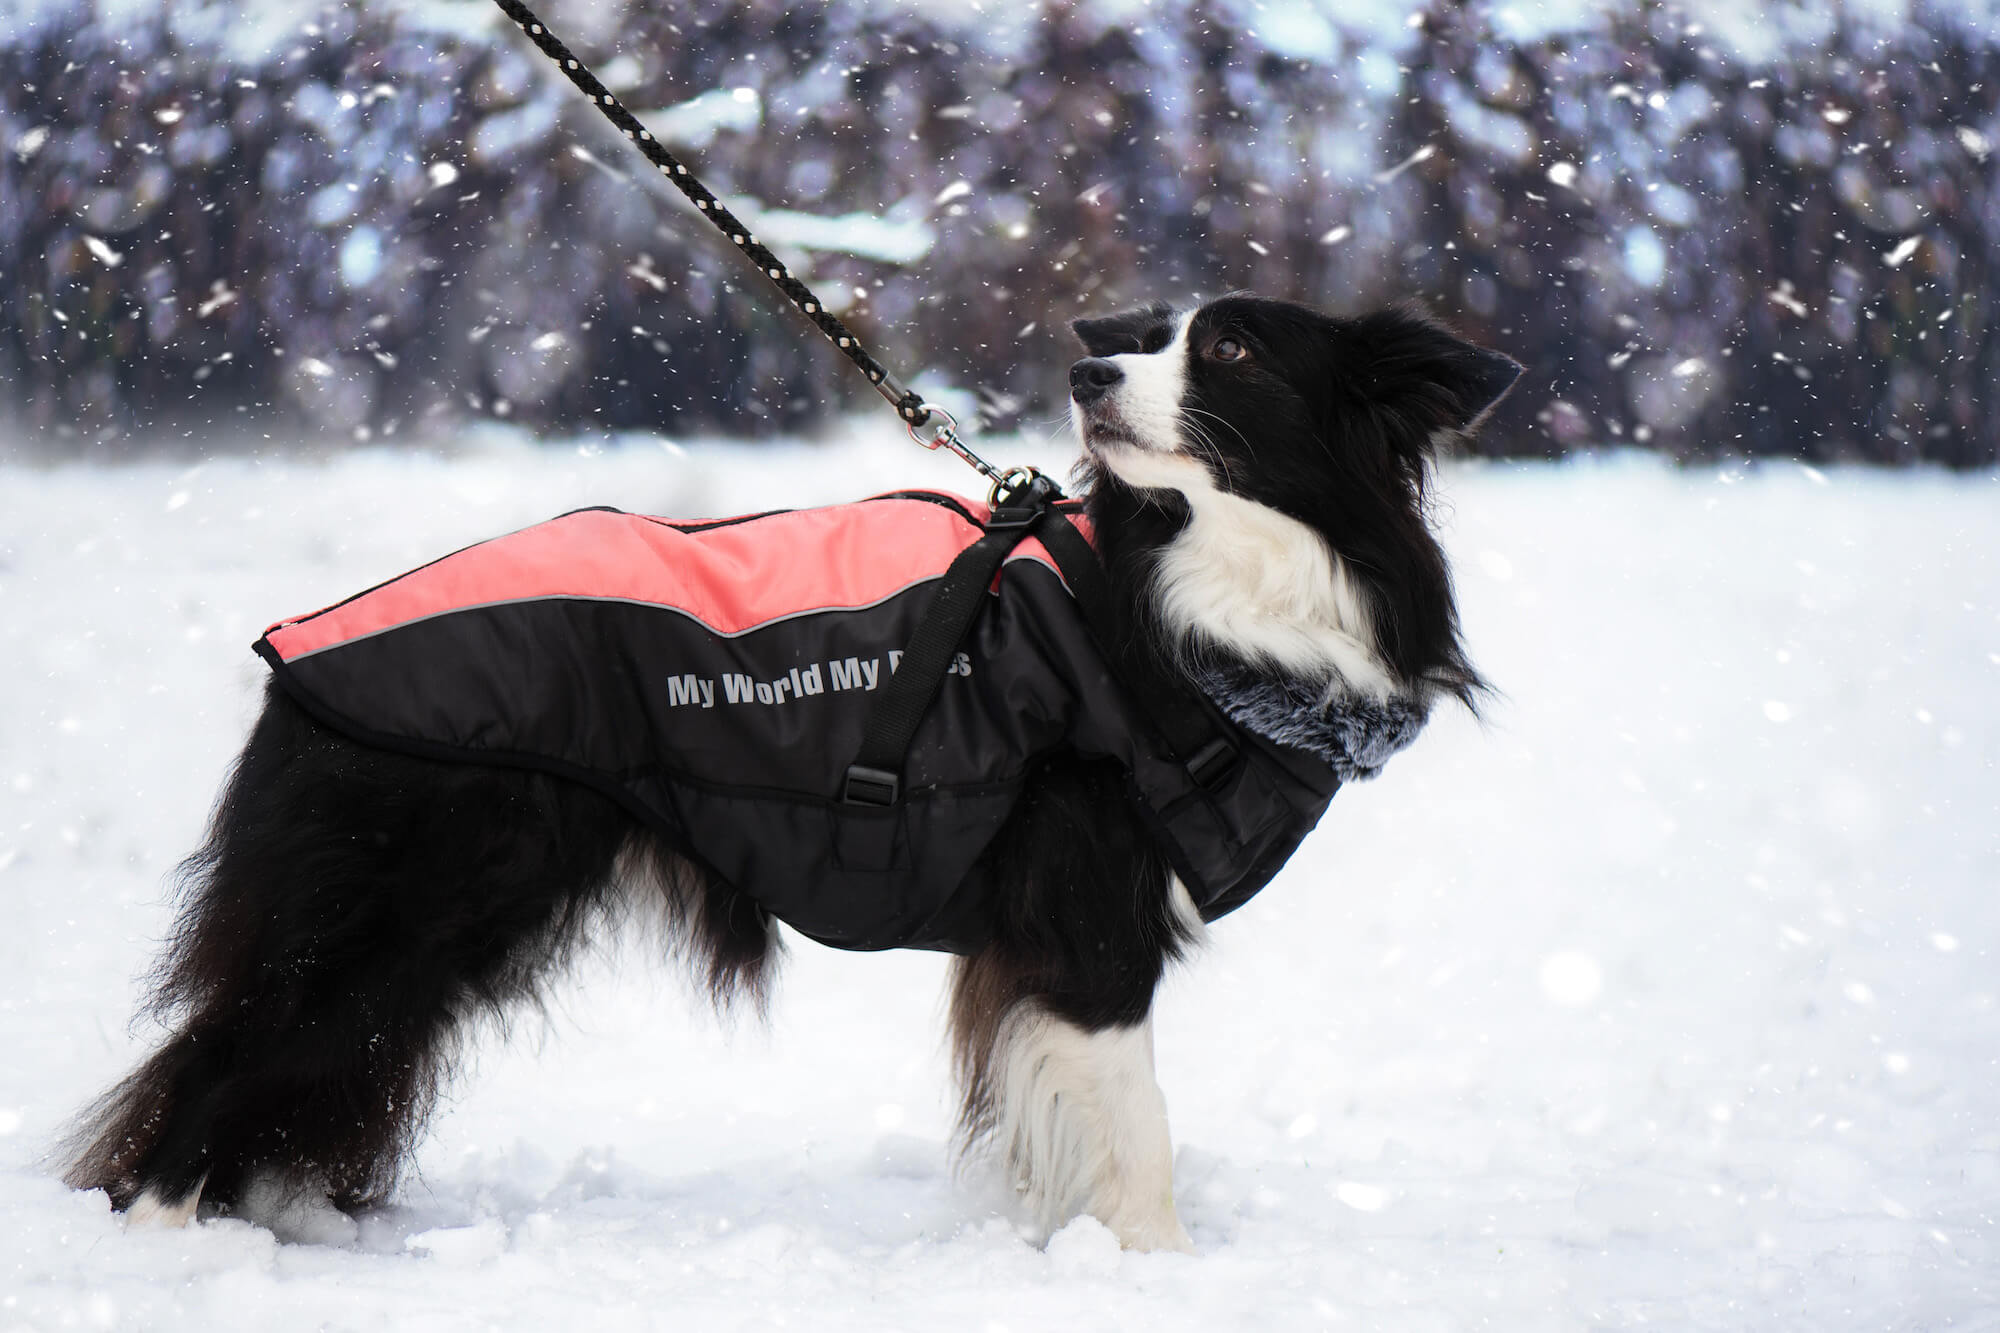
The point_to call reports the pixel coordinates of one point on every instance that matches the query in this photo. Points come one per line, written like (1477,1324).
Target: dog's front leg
(1051,1022)
(1082,1126)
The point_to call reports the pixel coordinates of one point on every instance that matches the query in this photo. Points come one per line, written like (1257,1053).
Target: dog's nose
(1091,377)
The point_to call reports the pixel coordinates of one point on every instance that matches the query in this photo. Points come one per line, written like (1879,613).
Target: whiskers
(1204,443)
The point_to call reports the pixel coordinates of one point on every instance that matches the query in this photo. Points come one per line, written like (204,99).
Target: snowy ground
(1668,999)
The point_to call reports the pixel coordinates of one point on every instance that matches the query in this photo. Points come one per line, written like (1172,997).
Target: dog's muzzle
(1091,378)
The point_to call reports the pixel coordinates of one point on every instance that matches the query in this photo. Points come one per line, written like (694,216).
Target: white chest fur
(1260,583)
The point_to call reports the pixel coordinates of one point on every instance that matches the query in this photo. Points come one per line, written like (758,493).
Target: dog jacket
(724,681)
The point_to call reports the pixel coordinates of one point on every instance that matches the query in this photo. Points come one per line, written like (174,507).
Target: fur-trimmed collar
(1355,735)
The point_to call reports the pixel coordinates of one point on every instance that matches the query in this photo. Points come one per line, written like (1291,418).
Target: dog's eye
(1228,349)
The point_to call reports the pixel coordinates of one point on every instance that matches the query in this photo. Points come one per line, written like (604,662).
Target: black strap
(1190,730)
(1192,736)
(875,777)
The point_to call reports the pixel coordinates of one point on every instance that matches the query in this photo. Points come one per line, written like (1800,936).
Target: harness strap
(1191,733)
(875,778)
(1189,728)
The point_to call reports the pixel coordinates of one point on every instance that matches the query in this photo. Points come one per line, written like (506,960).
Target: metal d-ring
(1011,482)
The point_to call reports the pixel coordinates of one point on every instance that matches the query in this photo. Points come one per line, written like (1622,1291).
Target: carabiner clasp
(940,431)
(939,427)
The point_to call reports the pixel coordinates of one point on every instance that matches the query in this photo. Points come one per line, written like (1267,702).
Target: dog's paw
(1161,1231)
(296,1212)
(151,1210)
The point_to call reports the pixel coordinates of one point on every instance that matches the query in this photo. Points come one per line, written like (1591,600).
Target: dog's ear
(1109,335)
(1484,377)
(1423,371)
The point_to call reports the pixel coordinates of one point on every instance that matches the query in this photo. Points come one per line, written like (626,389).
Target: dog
(1255,478)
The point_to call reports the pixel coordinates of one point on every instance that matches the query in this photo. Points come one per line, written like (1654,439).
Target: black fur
(349,912)
(1085,933)
(352,910)
(1333,421)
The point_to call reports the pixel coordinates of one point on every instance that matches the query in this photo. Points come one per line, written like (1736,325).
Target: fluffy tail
(349,913)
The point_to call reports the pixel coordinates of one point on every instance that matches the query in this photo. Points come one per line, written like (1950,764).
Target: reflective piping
(290,660)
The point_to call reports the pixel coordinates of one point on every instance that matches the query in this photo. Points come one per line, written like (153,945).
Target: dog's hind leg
(151,1210)
(1051,1021)
(350,909)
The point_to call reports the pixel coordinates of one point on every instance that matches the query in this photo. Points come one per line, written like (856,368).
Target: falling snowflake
(1785,297)
(219,296)
(1424,154)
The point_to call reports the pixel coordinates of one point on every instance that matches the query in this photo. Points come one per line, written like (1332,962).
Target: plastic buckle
(875,787)
(1008,517)
(1212,764)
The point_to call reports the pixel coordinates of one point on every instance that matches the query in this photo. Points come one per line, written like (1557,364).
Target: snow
(1667,998)
(899,238)
(695,122)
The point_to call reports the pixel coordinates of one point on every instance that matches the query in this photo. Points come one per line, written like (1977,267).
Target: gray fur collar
(1355,735)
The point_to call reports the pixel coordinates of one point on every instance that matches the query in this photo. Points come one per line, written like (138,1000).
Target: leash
(929,425)
(1023,504)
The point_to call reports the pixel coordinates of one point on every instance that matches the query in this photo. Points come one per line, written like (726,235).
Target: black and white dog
(1256,477)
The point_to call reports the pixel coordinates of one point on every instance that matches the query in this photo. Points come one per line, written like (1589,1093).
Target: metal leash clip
(939,430)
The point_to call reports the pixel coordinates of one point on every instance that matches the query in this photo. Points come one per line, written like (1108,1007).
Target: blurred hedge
(383,222)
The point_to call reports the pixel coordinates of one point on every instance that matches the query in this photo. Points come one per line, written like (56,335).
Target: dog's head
(1276,401)
(1329,421)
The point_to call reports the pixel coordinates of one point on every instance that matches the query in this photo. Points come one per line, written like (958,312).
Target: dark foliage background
(376,221)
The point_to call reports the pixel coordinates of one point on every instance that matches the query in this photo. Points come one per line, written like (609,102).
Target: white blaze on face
(1146,404)
(1149,398)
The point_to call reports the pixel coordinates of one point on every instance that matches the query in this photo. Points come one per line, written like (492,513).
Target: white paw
(1159,1230)
(150,1210)
(296,1212)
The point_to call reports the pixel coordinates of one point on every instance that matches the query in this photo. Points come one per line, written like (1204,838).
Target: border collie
(1255,474)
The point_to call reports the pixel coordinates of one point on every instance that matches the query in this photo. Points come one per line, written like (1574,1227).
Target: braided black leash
(1022,502)
(910,405)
